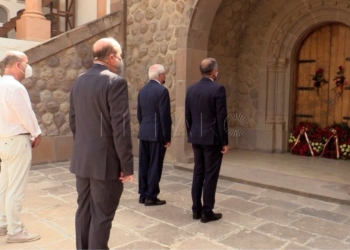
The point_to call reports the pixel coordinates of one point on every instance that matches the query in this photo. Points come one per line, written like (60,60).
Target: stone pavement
(313,177)
(253,217)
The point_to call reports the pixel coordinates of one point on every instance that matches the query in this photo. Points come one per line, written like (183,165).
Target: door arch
(324,48)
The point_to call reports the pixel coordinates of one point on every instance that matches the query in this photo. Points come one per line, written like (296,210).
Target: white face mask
(29,71)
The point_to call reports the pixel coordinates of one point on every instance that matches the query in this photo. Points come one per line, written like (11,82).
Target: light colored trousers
(16,157)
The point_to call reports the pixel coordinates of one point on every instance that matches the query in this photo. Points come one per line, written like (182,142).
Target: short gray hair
(12,57)
(155,70)
(207,66)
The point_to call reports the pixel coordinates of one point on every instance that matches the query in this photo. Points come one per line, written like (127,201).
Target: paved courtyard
(253,218)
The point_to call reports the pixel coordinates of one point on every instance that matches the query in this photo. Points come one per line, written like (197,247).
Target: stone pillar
(271,94)
(116,5)
(32,25)
(281,75)
(281,133)
(266,137)
(101,8)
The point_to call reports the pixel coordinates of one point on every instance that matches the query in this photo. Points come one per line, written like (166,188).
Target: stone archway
(192,47)
(276,66)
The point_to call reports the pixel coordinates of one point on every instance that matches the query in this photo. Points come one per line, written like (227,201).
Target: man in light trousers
(19,133)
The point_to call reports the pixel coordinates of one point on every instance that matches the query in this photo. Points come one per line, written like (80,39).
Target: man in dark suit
(153,114)
(102,157)
(206,112)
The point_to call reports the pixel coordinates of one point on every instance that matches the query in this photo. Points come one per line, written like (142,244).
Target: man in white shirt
(19,133)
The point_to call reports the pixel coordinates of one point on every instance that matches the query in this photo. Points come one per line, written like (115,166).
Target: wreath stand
(303,132)
(335,137)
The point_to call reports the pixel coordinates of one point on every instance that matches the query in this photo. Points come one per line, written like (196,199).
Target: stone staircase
(6,27)
(7,44)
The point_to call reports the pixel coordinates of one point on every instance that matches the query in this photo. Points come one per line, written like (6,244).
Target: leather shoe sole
(197,216)
(213,217)
(156,202)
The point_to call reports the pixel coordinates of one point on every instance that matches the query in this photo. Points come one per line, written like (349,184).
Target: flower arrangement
(333,148)
(331,142)
(306,139)
(345,151)
(339,81)
(318,79)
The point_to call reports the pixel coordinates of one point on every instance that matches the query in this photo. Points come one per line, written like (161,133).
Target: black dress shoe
(142,200)
(197,216)
(212,217)
(154,202)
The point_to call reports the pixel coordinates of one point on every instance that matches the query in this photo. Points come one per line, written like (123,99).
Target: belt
(24,134)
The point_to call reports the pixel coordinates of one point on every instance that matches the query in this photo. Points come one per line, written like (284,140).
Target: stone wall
(152,37)
(54,76)
(235,40)
(154,30)
(238,71)
(49,89)
(56,64)
(253,41)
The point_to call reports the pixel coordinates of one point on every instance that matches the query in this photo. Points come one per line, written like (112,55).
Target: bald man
(153,114)
(102,157)
(19,133)
(205,113)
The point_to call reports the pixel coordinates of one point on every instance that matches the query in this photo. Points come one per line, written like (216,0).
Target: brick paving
(253,218)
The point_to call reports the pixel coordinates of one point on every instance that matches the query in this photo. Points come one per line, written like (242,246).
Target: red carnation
(320,70)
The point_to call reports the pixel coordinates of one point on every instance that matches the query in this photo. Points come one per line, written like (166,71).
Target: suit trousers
(207,164)
(97,203)
(151,157)
(16,157)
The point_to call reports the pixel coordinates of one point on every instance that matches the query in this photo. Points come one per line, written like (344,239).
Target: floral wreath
(339,81)
(331,142)
(306,139)
(318,79)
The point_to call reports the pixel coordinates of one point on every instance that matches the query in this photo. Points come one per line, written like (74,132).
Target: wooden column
(33,26)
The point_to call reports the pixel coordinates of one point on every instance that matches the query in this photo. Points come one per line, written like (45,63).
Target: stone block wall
(152,37)
(238,72)
(56,64)
(253,41)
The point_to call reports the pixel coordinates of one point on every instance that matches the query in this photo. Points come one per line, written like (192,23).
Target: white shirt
(16,113)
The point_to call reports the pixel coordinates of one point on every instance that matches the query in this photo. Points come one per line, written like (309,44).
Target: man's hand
(124,179)
(224,149)
(167,145)
(36,141)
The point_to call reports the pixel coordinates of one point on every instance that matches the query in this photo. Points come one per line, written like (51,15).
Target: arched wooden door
(327,47)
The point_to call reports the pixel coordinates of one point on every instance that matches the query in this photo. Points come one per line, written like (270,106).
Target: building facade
(266,51)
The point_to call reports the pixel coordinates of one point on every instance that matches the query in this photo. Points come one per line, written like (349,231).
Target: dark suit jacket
(100,121)
(153,113)
(206,113)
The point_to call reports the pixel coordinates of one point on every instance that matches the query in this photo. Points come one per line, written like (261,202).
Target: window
(3,15)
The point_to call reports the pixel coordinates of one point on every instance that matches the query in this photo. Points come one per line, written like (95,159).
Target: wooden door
(328,47)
